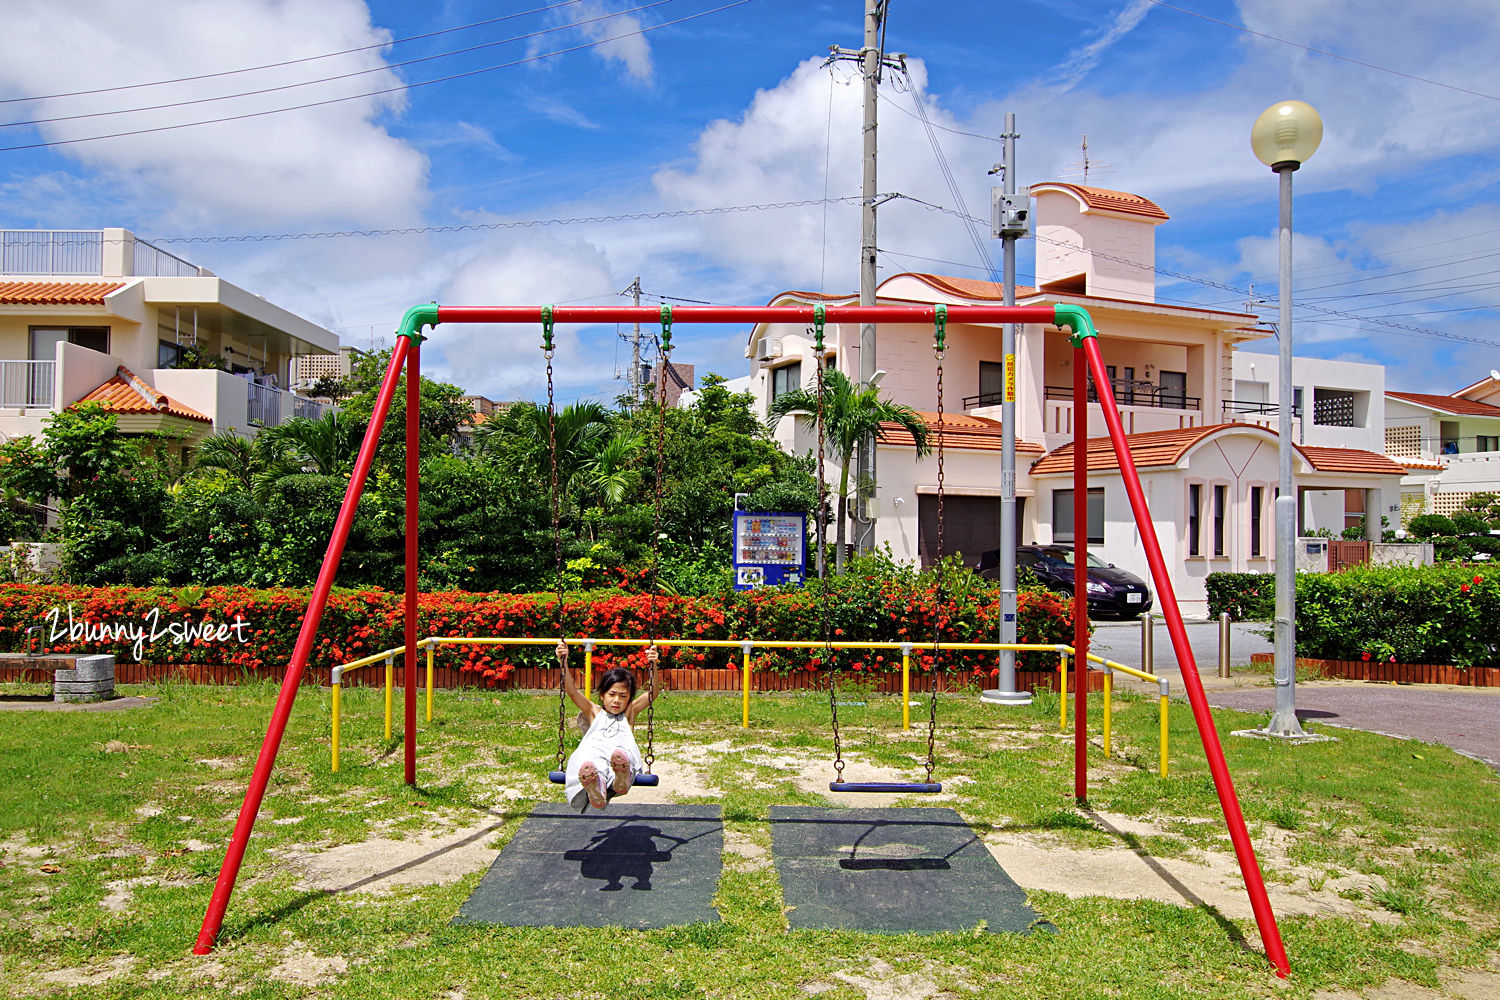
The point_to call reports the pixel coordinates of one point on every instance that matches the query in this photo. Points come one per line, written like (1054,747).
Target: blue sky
(1397,215)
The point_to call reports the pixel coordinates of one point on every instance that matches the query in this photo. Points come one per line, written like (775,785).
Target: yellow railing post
(906,685)
(1108,686)
(390,680)
(1164,701)
(1062,691)
(430,648)
(745,684)
(588,666)
(337,677)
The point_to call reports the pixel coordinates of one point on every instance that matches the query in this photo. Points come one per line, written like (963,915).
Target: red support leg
(229,871)
(1080,575)
(413,445)
(1265,919)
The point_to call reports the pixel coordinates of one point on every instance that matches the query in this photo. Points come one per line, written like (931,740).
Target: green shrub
(1468,523)
(1411,614)
(1246,596)
(1430,525)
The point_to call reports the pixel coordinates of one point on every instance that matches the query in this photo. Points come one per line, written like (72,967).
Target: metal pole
(1148,643)
(634,383)
(413,447)
(1223,643)
(864,530)
(1080,574)
(1283,721)
(1008,693)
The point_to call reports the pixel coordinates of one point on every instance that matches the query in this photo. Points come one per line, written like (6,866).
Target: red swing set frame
(1087,359)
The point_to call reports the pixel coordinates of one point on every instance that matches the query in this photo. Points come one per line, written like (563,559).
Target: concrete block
(83,690)
(89,668)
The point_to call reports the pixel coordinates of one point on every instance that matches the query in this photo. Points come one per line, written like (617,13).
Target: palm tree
(850,414)
(257,465)
(327,446)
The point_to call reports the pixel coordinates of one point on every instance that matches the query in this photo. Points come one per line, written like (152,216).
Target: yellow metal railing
(746,648)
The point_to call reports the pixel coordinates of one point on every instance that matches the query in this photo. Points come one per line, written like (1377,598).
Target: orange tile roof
(56,293)
(968,288)
(128,393)
(1450,404)
(1111,201)
(1351,460)
(1166,449)
(959,431)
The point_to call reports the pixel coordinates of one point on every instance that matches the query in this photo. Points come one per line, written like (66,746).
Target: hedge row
(1399,614)
(258,628)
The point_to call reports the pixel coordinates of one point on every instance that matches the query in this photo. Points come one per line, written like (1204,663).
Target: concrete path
(1121,642)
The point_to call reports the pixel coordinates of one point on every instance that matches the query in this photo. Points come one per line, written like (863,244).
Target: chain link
(942,596)
(651,652)
(562,658)
(828,654)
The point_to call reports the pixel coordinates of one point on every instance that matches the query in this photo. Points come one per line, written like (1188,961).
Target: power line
(285,62)
(332,79)
(388,90)
(520,224)
(1324,52)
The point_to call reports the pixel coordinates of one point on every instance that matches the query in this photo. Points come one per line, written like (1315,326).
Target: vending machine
(769,549)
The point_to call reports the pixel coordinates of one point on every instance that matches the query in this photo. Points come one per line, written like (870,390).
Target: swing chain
(828,653)
(562,649)
(942,596)
(562,666)
(661,444)
(651,657)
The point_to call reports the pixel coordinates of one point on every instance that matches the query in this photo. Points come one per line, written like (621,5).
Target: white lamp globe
(1286,132)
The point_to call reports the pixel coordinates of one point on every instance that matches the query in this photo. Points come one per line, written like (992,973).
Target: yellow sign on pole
(1010,378)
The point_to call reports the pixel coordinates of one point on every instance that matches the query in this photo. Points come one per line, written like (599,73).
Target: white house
(1208,468)
(1450,445)
(100,314)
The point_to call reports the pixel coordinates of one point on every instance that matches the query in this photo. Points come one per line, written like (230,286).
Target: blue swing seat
(643,780)
(885,786)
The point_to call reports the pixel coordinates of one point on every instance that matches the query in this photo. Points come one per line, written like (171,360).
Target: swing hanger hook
(940,330)
(820,316)
(666,329)
(547,328)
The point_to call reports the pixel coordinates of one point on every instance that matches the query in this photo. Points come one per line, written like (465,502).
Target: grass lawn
(1382,856)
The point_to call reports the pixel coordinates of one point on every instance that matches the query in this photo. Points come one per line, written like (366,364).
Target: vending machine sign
(769,549)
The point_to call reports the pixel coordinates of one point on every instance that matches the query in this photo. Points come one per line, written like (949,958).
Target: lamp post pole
(1283,137)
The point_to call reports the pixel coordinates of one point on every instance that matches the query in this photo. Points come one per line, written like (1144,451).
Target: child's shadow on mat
(623,852)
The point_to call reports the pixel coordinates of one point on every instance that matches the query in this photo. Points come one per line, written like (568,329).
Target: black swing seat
(885,786)
(643,780)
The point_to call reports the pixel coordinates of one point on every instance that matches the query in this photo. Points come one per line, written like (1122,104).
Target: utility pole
(872,60)
(633,381)
(1011,220)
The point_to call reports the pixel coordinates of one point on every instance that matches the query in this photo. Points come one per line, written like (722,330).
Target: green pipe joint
(1075,318)
(416,319)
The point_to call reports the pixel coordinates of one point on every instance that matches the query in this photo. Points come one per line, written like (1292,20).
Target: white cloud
(1080,65)
(334,163)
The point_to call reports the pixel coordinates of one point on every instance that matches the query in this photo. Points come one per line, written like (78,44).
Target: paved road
(1466,720)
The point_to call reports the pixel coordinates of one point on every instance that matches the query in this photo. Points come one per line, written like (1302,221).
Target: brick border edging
(1400,673)
(543,678)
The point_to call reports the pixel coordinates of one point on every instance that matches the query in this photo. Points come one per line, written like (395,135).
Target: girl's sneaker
(588,776)
(619,762)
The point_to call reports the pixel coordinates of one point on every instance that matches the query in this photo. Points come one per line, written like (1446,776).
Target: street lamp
(1283,137)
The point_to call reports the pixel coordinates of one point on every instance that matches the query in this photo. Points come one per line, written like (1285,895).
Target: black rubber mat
(629,866)
(891,871)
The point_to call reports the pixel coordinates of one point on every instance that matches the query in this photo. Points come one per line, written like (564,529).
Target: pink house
(1210,477)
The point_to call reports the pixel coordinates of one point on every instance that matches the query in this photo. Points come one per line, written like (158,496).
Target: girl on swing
(607,759)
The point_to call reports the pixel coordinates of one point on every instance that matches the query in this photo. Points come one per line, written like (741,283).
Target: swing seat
(643,780)
(885,786)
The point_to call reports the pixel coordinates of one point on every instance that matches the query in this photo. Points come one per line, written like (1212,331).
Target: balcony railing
(1131,392)
(51,251)
(1233,407)
(28,383)
(311,409)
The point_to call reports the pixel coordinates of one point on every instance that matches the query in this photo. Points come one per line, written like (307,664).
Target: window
(786,378)
(1296,401)
(1487,442)
(991,383)
(1336,408)
(1257,497)
(1195,507)
(1124,387)
(1221,494)
(44,339)
(1062,515)
(168,354)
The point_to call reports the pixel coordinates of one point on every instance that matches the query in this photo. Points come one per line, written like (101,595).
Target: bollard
(1148,643)
(1224,644)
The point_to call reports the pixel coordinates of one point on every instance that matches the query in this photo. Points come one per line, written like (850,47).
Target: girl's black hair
(613,676)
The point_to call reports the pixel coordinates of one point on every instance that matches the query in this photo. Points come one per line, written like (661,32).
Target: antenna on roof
(1086,164)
